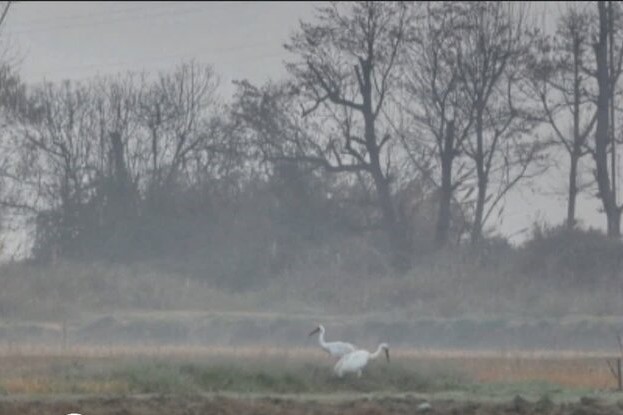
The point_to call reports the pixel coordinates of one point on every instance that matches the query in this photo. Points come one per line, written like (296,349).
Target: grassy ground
(299,374)
(448,288)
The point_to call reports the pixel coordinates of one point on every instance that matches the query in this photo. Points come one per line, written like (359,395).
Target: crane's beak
(387,354)
(316,330)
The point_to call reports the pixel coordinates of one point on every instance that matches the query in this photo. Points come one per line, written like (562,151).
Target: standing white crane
(354,362)
(335,349)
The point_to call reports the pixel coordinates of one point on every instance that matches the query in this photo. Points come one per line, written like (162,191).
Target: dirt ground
(175,405)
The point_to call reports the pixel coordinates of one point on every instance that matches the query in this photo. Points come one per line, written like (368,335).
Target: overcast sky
(60,40)
(77,40)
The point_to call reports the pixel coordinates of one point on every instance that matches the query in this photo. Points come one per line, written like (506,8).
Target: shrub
(575,255)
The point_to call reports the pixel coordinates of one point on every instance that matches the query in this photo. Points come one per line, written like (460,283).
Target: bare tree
(435,101)
(177,111)
(119,158)
(12,95)
(493,43)
(12,102)
(57,149)
(564,89)
(88,157)
(346,69)
(607,72)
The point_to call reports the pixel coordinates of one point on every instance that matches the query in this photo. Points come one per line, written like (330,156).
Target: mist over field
(368,185)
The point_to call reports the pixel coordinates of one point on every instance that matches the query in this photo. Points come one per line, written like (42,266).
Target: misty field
(272,380)
(115,339)
(123,340)
(282,371)
(171,234)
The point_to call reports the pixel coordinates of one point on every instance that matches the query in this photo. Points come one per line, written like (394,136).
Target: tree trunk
(120,171)
(476,233)
(606,193)
(123,196)
(397,234)
(573,191)
(614,224)
(612,130)
(447,157)
(576,149)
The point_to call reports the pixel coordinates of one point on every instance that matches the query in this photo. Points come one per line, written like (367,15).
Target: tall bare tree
(436,103)
(117,134)
(564,89)
(12,92)
(346,69)
(177,111)
(493,43)
(608,70)
(58,153)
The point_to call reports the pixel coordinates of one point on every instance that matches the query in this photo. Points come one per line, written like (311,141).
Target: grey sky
(80,39)
(76,40)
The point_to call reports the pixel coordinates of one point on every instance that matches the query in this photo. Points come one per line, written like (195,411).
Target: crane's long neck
(377,353)
(321,341)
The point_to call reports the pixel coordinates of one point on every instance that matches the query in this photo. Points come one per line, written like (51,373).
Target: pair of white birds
(351,360)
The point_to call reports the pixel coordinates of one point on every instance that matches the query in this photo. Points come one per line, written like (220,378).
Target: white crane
(354,362)
(335,349)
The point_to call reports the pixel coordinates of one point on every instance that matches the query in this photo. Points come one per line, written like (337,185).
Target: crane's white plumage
(335,349)
(354,362)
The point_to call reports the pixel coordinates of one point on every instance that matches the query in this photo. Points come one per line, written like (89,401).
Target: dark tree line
(404,123)
(576,75)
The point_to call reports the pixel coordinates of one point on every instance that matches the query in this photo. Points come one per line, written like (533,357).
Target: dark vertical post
(64,339)
(612,87)
(619,380)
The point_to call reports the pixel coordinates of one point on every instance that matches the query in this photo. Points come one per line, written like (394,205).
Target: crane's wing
(339,349)
(351,362)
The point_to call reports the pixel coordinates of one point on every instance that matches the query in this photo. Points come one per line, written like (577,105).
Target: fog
(225,176)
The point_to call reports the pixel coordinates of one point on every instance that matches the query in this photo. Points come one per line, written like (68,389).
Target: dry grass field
(41,370)
(112,320)
(194,380)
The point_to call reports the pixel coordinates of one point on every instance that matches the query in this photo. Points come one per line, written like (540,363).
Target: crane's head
(320,328)
(385,348)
